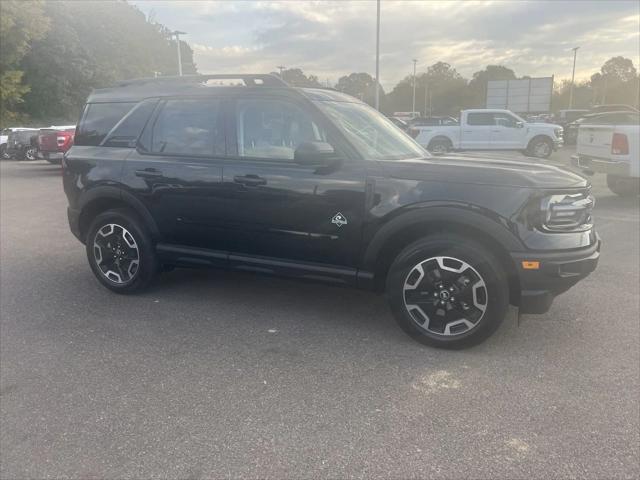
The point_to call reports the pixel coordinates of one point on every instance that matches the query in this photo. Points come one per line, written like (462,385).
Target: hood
(543,125)
(483,171)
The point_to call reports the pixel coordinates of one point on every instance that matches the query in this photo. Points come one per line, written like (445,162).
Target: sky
(333,38)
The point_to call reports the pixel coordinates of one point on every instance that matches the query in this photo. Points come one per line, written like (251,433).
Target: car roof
(208,85)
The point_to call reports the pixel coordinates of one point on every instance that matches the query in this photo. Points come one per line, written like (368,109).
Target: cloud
(334,38)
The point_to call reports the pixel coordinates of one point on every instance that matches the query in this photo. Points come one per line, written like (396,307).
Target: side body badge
(339,219)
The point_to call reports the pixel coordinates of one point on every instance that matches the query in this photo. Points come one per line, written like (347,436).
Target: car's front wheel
(31,154)
(540,147)
(121,252)
(448,291)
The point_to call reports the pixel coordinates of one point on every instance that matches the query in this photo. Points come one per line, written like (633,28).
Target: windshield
(372,134)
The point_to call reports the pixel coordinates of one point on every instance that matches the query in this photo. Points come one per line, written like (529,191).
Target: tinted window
(127,131)
(98,120)
(504,120)
(273,129)
(480,118)
(189,127)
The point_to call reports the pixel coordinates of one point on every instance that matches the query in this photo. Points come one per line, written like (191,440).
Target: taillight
(620,144)
(413,132)
(61,140)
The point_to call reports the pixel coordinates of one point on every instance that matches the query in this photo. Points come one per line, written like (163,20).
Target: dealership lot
(219,374)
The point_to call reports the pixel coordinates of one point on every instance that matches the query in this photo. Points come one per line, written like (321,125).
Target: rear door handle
(149,173)
(249,180)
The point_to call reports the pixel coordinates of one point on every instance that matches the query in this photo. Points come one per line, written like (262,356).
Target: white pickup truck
(485,129)
(610,143)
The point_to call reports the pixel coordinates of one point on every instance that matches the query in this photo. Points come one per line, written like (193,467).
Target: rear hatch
(595,141)
(47,140)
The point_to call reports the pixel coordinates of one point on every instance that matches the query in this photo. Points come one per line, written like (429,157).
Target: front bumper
(73,216)
(557,273)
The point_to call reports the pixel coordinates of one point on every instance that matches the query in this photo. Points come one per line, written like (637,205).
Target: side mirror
(314,153)
(519,124)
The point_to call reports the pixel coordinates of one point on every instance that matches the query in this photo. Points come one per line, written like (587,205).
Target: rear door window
(98,120)
(480,118)
(189,127)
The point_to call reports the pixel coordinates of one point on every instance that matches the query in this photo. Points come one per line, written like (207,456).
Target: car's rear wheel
(623,186)
(31,154)
(448,291)
(120,251)
(3,152)
(540,147)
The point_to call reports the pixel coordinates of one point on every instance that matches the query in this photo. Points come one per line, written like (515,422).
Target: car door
(176,171)
(507,132)
(283,209)
(475,133)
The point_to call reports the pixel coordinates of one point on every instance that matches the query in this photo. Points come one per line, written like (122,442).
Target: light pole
(573,74)
(281,68)
(378,57)
(413,107)
(177,33)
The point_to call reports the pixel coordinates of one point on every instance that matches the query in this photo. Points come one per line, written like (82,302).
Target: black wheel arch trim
(435,215)
(121,196)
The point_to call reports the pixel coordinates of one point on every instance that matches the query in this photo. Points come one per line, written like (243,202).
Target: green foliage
(362,86)
(106,42)
(20,24)
(296,78)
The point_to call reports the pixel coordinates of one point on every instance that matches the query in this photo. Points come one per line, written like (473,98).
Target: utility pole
(426,92)
(413,107)
(281,68)
(378,57)
(177,33)
(573,74)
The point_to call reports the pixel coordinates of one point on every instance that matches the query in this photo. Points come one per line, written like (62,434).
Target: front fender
(437,217)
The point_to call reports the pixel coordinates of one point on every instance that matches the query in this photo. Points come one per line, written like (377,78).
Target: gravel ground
(217,374)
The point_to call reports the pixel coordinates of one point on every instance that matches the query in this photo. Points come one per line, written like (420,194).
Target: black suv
(314,184)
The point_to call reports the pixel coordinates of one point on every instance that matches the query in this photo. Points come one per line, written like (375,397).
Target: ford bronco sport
(314,184)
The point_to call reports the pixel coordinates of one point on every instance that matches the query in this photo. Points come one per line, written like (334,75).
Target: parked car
(22,144)
(430,121)
(401,124)
(571,129)
(563,117)
(609,143)
(316,185)
(405,116)
(486,129)
(612,107)
(4,137)
(54,141)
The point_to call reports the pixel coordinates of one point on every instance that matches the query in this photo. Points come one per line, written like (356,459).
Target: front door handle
(149,173)
(249,180)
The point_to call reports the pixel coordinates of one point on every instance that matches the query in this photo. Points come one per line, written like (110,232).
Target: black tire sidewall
(487,265)
(440,141)
(540,140)
(148,260)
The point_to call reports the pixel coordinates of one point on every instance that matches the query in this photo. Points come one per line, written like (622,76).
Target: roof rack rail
(250,80)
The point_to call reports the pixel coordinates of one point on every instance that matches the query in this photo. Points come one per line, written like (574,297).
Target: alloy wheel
(541,150)
(445,296)
(116,253)
(30,154)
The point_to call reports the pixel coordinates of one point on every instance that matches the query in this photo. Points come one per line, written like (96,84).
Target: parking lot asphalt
(215,374)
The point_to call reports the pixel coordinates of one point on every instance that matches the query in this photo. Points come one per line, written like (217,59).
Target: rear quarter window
(97,121)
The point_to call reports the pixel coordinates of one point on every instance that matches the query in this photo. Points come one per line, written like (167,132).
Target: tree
(619,69)
(360,85)
(296,78)
(20,24)
(106,42)
(617,82)
(441,88)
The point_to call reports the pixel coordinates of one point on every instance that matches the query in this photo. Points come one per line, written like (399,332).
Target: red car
(54,141)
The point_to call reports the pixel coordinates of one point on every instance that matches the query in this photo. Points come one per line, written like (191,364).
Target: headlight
(558,132)
(567,212)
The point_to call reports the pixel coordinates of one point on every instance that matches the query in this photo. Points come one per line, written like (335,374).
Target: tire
(107,234)
(31,154)
(623,186)
(4,155)
(480,283)
(439,146)
(540,147)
